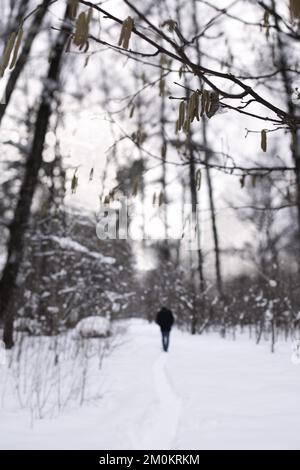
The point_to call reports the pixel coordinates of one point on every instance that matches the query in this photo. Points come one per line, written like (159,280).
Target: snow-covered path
(206,393)
(159,430)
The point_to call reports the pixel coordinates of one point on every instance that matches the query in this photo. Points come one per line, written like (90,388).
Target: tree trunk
(195,218)
(295,148)
(21,218)
(14,21)
(295,138)
(213,215)
(208,172)
(142,184)
(195,215)
(166,248)
(21,62)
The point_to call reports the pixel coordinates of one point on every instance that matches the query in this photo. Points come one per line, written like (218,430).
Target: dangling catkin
(263,140)
(73,5)
(213,104)
(295,9)
(181,115)
(82,29)
(7,53)
(127,28)
(16,49)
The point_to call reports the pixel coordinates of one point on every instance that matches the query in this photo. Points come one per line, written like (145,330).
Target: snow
(206,393)
(68,244)
(92,327)
(160,433)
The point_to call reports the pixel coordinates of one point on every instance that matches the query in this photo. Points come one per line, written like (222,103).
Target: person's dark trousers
(165,339)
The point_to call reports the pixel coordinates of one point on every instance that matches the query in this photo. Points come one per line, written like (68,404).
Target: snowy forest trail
(160,427)
(206,393)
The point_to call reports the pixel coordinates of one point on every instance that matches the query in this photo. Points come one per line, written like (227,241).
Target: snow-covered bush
(47,375)
(93,327)
(67,274)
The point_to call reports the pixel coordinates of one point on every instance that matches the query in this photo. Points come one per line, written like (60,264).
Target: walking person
(165,320)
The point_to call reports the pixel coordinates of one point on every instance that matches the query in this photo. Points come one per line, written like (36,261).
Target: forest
(150,157)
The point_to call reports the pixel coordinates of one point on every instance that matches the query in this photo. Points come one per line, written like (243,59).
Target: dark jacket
(165,319)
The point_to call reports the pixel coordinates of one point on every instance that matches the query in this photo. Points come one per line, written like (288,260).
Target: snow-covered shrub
(93,327)
(67,274)
(50,374)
